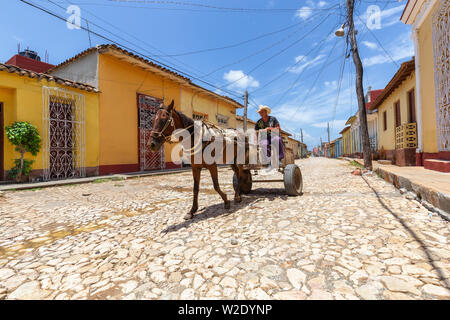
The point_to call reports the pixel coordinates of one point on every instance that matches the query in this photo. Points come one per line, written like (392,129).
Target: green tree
(25,137)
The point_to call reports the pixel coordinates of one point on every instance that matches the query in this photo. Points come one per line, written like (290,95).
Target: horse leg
(213,171)
(196,173)
(237,192)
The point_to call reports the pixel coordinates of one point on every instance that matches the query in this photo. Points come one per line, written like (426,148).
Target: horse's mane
(185,119)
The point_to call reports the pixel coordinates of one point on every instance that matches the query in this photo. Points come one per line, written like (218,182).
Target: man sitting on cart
(269,123)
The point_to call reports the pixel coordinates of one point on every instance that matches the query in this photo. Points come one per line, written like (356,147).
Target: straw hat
(261,108)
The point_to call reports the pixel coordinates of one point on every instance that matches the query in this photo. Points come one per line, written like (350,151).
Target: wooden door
(398,120)
(411,107)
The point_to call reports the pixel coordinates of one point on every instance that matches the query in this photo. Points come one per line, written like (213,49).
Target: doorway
(2,137)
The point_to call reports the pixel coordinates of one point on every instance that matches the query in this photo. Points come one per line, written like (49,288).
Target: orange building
(131,89)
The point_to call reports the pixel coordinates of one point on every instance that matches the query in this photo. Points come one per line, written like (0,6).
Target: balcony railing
(406,136)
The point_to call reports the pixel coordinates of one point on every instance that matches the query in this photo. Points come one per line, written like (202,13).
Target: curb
(121,176)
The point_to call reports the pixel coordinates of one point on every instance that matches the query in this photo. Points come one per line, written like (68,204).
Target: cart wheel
(247,187)
(293,181)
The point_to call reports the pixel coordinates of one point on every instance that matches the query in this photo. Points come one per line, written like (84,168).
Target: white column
(418,95)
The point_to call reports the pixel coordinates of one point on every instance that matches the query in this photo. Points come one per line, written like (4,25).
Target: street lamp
(341,31)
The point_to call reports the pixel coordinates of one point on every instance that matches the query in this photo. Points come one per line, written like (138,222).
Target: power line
(257,52)
(315,80)
(130,35)
(276,54)
(130,49)
(232,45)
(292,66)
(232,9)
(341,76)
(375,37)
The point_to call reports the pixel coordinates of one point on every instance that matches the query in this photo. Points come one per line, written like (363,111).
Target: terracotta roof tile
(31,74)
(105,47)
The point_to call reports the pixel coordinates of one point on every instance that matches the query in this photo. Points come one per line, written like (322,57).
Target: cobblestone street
(346,237)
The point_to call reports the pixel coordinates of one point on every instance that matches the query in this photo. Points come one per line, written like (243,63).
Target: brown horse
(166,121)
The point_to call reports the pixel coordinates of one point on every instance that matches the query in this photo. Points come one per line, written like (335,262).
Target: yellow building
(66,115)
(355,149)
(430,22)
(346,141)
(294,145)
(397,117)
(131,90)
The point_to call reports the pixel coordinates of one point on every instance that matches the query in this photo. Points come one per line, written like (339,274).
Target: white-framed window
(222,120)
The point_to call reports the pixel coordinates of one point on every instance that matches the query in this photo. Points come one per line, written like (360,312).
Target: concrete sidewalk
(430,186)
(55,183)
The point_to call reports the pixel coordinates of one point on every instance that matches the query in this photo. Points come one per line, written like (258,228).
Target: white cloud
(306,63)
(238,79)
(322,4)
(371,45)
(331,84)
(400,49)
(304,12)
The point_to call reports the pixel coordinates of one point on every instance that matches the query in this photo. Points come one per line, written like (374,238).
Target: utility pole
(359,86)
(245,109)
(328,130)
(301,134)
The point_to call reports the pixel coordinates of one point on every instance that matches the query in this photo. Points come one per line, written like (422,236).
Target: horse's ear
(170,107)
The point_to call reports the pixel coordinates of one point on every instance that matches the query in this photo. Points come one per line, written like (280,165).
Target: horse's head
(163,126)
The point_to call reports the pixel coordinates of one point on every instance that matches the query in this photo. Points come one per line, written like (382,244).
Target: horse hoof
(188,216)
(227,205)
(237,200)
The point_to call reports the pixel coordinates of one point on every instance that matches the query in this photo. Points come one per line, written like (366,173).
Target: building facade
(397,117)
(430,22)
(132,89)
(66,115)
(346,142)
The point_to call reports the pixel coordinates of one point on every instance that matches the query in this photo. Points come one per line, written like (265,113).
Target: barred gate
(64,138)
(441,44)
(147,107)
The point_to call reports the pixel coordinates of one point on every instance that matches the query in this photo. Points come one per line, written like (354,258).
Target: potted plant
(25,137)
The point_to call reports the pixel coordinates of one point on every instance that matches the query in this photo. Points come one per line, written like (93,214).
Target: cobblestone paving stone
(344,238)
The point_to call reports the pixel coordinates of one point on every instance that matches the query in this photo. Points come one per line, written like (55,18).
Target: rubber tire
(293,181)
(247,187)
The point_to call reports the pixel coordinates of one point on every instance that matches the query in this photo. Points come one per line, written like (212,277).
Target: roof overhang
(405,70)
(138,61)
(350,120)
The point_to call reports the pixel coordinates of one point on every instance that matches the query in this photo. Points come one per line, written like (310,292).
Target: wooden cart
(292,176)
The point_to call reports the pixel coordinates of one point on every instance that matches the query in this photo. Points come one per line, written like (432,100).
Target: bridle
(168,123)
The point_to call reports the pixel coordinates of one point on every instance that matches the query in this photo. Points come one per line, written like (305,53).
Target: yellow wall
(194,101)
(347,142)
(119,83)
(427,90)
(22,98)
(386,139)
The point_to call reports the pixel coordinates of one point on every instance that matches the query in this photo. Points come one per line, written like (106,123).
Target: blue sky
(293,62)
